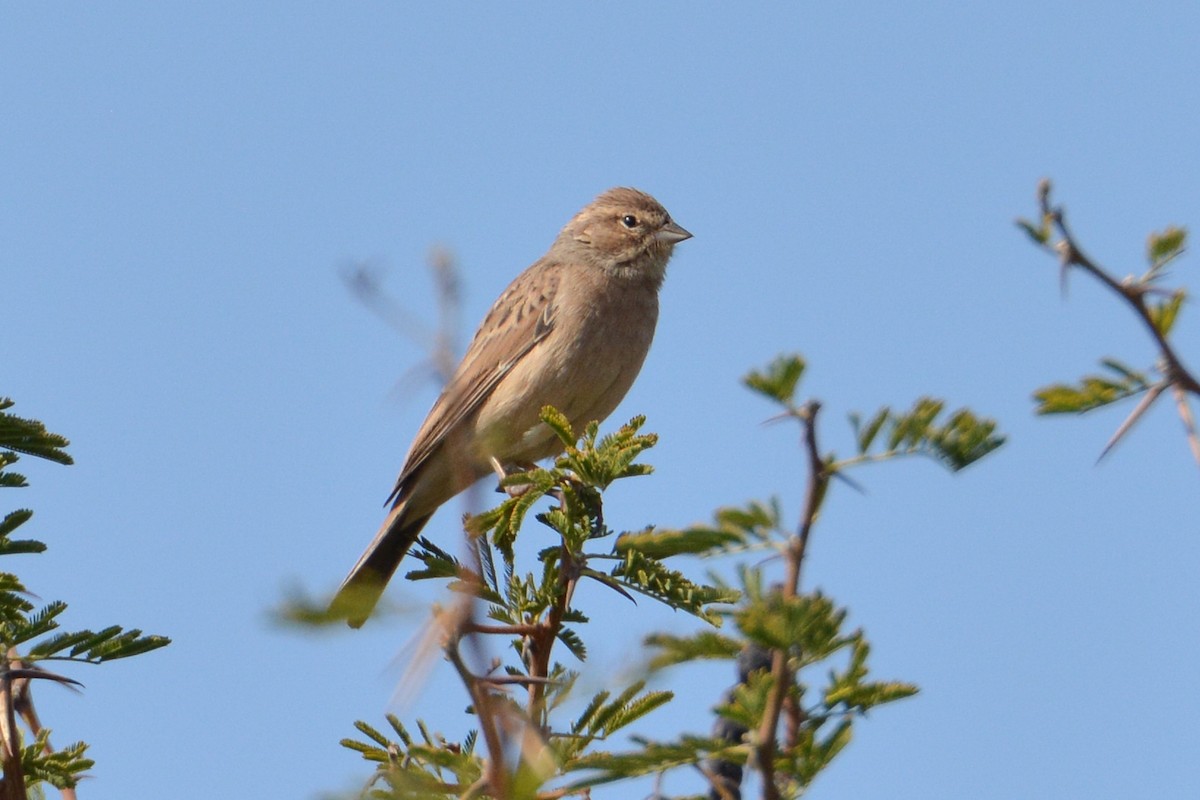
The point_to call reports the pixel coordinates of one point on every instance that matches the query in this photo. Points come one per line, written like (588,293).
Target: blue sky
(182,184)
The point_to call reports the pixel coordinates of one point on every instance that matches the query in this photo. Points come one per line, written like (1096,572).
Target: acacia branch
(496,776)
(542,642)
(1176,376)
(12,787)
(782,675)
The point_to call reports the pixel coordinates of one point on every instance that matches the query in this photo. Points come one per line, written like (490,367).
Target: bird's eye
(629,221)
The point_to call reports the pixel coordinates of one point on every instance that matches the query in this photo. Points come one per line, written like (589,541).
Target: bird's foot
(504,470)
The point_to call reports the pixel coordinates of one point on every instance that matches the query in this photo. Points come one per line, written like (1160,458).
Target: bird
(571,331)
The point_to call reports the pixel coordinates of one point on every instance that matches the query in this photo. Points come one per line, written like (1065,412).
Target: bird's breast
(583,367)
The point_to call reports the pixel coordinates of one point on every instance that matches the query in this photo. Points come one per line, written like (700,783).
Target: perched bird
(571,331)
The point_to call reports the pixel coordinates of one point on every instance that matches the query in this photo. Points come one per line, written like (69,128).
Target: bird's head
(624,231)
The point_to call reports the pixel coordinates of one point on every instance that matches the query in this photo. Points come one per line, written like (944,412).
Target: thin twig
(1126,426)
(1176,375)
(1134,294)
(13,785)
(781,674)
(495,774)
(1189,422)
(542,642)
(440,342)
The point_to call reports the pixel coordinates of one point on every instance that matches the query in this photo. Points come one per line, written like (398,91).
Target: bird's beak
(671,234)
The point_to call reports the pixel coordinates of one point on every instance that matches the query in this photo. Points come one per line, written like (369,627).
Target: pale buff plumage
(571,331)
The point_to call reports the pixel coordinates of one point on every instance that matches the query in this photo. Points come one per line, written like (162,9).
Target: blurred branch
(438,339)
(1053,234)
(496,778)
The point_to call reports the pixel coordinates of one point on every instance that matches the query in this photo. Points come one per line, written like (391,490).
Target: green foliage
(536,606)
(603,717)
(94,647)
(30,437)
(1092,391)
(1164,314)
(595,463)
(651,758)
(734,528)
(957,442)
(703,645)
(649,576)
(1164,247)
(29,634)
(1039,233)
(426,766)
(779,380)
(519,703)
(808,628)
(62,769)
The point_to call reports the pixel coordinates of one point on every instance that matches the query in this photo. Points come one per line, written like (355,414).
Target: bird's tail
(363,587)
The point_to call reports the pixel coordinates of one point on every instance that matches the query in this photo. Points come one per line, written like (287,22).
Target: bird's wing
(520,318)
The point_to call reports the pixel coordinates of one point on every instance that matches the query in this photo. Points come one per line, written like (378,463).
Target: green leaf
(865,435)
(653,578)
(92,646)
(848,689)
(1162,315)
(573,643)
(1165,245)
(1040,234)
(707,645)
(506,519)
(1092,391)
(868,695)
(911,428)
(59,642)
(964,439)
(734,527)
(778,381)
(558,422)
(748,701)
(598,464)
(653,757)
(636,708)
(37,624)
(61,768)
(667,543)
(809,624)
(961,440)
(30,437)
(371,733)
(12,521)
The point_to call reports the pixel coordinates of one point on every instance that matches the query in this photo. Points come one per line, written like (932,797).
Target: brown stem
(13,785)
(782,675)
(23,706)
(496,775)
(541,643)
